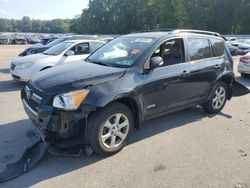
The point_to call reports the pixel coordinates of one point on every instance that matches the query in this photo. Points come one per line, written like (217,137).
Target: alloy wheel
(219,98)
(115,131)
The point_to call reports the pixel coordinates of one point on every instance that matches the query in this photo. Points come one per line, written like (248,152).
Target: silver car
(244,65)
(24,68)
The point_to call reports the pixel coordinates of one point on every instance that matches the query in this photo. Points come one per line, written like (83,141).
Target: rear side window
(218,47)
(198,48)
(81,49)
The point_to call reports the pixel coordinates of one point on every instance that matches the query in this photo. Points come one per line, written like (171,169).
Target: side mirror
(69,53)
(155,62)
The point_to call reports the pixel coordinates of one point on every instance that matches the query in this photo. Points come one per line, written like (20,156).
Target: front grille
(12,66)
(31,98)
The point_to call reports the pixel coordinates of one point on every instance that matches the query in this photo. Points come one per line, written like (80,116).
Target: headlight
(25,65)
(70,101)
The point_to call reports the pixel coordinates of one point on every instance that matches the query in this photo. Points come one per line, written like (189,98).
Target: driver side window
(171,51)
(81,49)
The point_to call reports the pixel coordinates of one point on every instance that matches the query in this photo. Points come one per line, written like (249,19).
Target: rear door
(219,60)
(202,69)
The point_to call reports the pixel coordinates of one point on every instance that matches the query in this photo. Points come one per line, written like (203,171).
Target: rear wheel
(109,129)
(218,100)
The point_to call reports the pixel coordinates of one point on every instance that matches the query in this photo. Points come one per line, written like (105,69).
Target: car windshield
(58,49)
(55,42)
(121,52)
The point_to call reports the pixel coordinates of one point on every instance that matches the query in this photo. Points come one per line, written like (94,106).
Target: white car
(24,68)
(233,41)
(244,65)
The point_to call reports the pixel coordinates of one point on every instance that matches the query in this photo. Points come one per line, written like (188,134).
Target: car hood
(74,76)
(36,58)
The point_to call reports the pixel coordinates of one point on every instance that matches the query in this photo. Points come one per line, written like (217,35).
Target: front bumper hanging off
(28,159)
(46,121)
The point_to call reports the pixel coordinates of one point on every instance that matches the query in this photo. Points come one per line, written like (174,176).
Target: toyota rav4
(129,80)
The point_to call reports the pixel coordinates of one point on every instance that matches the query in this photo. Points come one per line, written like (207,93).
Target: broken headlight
(70,101)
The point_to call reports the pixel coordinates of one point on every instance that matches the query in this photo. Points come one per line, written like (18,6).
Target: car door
(220,60)
(81,52)
(166,88)
(202,70)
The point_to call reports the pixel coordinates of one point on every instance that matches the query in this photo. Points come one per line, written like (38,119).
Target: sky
(41,9)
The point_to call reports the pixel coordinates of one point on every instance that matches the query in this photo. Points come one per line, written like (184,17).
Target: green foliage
(28,25)
(121,17)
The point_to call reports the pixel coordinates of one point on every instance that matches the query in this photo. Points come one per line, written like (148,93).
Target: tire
(218,100)
(103,128)
(244,75)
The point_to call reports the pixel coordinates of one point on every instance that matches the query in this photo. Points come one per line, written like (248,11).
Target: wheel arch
(135,108)
(129,99)
(228,79)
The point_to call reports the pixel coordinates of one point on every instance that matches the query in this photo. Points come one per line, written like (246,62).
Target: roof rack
(155,30)
(196,31)
(174,31)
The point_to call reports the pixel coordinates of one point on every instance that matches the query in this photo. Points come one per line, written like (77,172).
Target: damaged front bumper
(57,132)
(61,129)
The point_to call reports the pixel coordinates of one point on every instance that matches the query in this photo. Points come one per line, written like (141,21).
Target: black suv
(131,79)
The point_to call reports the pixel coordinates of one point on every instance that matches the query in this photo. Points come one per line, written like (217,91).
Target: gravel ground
(184,149)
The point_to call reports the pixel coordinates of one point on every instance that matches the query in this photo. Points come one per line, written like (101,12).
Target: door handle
(217,66)
(185,74)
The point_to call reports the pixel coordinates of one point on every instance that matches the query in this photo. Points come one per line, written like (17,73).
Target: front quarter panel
(102,94)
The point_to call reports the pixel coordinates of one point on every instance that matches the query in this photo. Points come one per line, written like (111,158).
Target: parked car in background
(19,41)
(33,40)
(233,49)
(5,40)
(233,41)
(244,65)
(127,81)
(24,68)
(46,41)
(41,48)
(244,46)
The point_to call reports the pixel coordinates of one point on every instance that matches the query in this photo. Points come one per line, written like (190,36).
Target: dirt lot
(185,149)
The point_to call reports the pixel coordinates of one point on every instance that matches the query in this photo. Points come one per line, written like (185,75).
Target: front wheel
(109,128)
(218,100)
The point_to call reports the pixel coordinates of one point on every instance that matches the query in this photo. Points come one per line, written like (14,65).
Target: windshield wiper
(98,63)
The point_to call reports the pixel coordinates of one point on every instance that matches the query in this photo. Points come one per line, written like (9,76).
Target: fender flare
(120,96)
(228,78)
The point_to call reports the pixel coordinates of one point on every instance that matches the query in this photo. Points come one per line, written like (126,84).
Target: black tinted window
(198,49)
(218,47)
(171,52)
(81,49)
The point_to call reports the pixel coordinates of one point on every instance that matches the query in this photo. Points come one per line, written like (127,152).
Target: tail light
(245,59)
